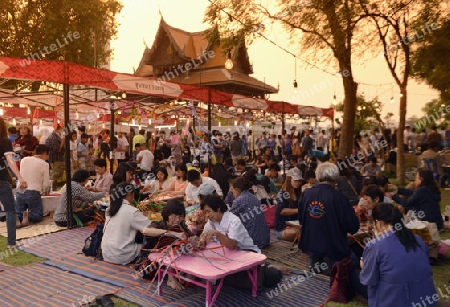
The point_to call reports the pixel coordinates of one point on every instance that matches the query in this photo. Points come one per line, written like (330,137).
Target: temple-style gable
(185,57)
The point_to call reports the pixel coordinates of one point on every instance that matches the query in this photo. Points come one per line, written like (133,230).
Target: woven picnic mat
(58,244)
(40,285)
(285,253)
(293,290)
(4,266)
(118,275)
(47,225)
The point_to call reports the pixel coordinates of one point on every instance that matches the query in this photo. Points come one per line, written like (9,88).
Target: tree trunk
(400,165)
(348,120)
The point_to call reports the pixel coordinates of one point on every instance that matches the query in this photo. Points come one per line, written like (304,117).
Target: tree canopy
(431,62)
(76,31)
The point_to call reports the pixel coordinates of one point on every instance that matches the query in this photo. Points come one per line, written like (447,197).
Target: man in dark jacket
(326,217)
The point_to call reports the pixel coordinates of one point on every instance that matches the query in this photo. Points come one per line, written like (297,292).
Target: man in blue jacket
(326,217)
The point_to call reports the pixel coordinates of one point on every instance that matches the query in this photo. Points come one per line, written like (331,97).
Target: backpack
(93,243)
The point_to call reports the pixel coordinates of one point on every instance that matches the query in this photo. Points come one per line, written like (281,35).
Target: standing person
(250,145)
(145,160)
(130,136)
(35,171)
(395,265)
(434,136)
(307,143)
(206,149)
(83,151)
(412,140)
(176,146)
(423,140)
(217,144)
(6,194)
(139,138)
(262,142)
(321,140)
(55,144)
(326,217)
(163,142)
(73,151)
(236,147)
(123,147)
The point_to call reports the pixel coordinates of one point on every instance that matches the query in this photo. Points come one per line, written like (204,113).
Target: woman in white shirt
(224,227)
(123,222)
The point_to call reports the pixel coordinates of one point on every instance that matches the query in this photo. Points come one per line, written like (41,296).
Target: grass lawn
(16,257)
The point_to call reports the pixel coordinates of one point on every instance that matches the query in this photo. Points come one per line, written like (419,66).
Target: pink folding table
(210,265)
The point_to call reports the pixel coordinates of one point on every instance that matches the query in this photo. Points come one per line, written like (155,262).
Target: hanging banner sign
(147,86)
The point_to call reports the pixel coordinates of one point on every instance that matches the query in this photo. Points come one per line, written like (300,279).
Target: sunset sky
(139,22)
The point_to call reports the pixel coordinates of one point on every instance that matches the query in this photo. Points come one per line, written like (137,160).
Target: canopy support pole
(68,130)
(209,131)
(283,154)
(111,139)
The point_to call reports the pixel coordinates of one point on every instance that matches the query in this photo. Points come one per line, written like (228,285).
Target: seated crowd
(323,205)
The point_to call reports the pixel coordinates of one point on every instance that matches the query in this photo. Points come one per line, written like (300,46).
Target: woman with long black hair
(424,200)
(395,265)
(122,225)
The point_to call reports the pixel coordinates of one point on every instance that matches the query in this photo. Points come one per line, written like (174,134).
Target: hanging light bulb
(149,121)
(334,100)
(235,122)
(124,95)
(392,100)
(103,126)
(229,62)
(362,94)
(14,122)
(40,122)
(133,122)
(295,87)
(359,108)
(59,122)
(220,124)
(28,111)
(401,95)
(1,111)
(89,126)
(77,116)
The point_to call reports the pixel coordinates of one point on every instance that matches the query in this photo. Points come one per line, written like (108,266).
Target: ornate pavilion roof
(173,47)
